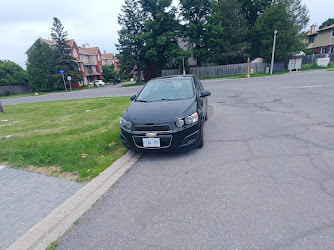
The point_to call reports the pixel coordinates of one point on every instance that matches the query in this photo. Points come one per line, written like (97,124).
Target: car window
(167,89)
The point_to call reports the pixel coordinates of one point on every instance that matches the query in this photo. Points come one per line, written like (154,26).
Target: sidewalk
(36,210)
(26,198)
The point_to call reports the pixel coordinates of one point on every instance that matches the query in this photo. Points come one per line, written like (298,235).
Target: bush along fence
(14,89)
(226,70)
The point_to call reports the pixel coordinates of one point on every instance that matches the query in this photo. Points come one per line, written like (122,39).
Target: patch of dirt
(52,171)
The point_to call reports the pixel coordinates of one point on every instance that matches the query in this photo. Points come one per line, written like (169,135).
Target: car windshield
(167,89)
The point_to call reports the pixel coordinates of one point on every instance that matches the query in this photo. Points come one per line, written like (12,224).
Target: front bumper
(174,140)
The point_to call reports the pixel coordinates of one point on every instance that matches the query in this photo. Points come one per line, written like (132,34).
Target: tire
(201,138)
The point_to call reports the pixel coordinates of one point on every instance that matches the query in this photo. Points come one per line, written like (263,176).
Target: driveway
(263,180)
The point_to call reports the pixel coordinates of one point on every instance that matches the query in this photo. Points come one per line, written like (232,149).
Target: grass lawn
(306,67)
(244,75)
(132,85)
(74,139)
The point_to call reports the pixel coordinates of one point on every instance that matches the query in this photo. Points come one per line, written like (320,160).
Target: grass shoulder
(307,67)
(132,85)
(73,139)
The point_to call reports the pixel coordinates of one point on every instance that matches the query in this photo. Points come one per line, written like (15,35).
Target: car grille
(152,128)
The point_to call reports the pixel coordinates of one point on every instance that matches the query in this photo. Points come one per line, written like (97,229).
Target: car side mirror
(205,93)
(133,97)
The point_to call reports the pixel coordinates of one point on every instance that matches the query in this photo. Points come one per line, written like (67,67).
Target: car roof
(173,76)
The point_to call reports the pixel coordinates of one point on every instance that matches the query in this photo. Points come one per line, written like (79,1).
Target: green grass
(53,245)
(132,85)
(306,67)
(330,70)
(64,135)
(39,93)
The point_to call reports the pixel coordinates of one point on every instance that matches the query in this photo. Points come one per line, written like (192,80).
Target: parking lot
(263,180)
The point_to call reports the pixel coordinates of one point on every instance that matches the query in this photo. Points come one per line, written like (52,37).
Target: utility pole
(273,53)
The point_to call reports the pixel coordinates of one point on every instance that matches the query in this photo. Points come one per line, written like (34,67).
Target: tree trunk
(138,73)
(1,108)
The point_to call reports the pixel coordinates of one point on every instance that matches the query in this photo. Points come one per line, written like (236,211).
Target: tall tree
(201,29)
(12,74)
(161,36)
(252,9)
(235,45)
(326,23)
(41,68)
(288,17)
(131,42)
(64,60)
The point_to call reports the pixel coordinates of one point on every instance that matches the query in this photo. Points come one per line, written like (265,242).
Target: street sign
(69,78)
(61,71)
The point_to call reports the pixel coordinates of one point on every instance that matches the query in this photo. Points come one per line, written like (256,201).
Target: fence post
(1,108)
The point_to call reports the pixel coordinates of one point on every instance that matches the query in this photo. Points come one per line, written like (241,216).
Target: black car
(168,113)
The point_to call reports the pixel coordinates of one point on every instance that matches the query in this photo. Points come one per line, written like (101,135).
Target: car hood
(158,112)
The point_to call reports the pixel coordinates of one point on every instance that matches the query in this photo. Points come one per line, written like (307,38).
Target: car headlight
(191,119)
(188,120)
(179,123)
(125,123)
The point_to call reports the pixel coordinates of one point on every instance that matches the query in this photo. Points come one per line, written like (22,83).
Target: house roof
(89,51)
(327,28)
(47,41)
(108,56)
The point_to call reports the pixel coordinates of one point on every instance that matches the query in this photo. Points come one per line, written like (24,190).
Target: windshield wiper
(141,100)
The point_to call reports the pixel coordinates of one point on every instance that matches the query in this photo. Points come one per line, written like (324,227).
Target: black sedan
(168,113)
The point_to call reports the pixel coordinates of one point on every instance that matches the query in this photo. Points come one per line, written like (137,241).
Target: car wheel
(201,138)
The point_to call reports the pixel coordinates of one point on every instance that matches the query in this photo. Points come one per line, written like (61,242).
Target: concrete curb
(62,218)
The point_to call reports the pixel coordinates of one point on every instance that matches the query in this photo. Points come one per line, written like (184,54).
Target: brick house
(110,59)
(321,40)
(74,53)
(92,63)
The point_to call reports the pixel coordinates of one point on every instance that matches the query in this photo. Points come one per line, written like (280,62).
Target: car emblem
(151,134)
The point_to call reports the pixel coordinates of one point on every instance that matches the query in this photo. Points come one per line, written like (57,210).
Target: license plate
(151,142)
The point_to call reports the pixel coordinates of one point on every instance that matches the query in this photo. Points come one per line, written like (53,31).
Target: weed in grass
(58,134)
(76,222)
(53,245)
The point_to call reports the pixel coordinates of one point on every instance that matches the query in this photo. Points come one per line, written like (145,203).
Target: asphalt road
(103,91)
(263,180)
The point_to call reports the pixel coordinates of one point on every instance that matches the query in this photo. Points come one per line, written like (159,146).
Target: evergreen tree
(202,31)
(288,17)
(235,45)
(131,43)
(326,23)
(41,68)
(63,60)
(12,74)
(160,36)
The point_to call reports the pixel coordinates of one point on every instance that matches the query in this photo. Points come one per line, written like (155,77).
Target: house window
(311,39)
(331,50)
(333,33)
(75,54)
(323,50)
(98,57)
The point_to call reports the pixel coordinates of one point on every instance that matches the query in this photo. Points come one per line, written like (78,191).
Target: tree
(131,43)
(160,36)
(1,108)
(326,23)
(12,74)
(235,46)
(201,30)
(110,74)
(288,17)
(63,58)
(252,9)
(41,68)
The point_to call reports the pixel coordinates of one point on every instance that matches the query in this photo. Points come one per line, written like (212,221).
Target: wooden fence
(170,72)
(14,89)
(311,59)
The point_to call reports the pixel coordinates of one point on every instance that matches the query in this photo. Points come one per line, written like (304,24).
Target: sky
(86,21)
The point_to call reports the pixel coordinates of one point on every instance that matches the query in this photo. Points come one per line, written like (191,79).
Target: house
(74,53)
(110,59)
(321,40)
(92,63)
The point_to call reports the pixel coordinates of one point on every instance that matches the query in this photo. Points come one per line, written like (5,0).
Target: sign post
(62,74)
(69,78)
(1,108)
